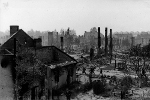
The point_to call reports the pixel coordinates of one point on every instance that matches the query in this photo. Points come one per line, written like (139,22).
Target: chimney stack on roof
(38,42)
(13,29)
(62,42)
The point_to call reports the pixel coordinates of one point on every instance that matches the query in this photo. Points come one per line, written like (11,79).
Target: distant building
(143,38)
(122,41)
(91,38)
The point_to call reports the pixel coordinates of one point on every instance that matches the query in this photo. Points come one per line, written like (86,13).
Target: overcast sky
(80,15)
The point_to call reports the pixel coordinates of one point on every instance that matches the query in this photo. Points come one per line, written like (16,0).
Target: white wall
(6,83)
(63,78)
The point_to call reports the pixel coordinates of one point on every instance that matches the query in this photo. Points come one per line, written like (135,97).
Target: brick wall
(63,77)
(62,56)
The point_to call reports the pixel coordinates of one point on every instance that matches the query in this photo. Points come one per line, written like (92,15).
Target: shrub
(78,90)
(127,81)
(56,92)
(83,88)
(87,87)
(99,87)
(145,81)
(74,84)
(126,84)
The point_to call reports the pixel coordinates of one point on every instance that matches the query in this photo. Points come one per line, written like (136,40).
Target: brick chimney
(38,42)
(57,39)
(41,39)
(62,42)
(50,38)
(13,29)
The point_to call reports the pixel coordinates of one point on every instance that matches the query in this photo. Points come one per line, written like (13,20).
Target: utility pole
(16,81)
(34,66)
(115,61)
(49,83)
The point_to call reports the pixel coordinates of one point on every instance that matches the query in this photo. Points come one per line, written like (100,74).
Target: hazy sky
(80,15)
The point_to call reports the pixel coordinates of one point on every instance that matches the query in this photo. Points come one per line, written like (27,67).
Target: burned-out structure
(56,60)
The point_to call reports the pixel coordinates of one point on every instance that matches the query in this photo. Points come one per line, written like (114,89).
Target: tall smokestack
(50,38)
(13,29)
(106,41)
(99,38)
(62,42)
(110,44)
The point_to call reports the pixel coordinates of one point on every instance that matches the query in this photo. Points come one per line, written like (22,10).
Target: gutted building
(55,59)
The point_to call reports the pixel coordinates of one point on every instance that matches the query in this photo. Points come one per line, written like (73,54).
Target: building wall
(62,81)
(6,83)
(50,38)
(46,54)
(119,38)
(63,78)
(142,39)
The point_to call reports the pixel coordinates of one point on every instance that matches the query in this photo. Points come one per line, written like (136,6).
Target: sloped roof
(3,45)
(5,52)
(19,35)
(58,50)
(63,58)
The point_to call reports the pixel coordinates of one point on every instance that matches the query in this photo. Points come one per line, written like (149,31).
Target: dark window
(33,94)
(4,62)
